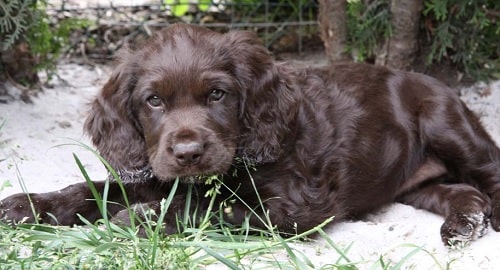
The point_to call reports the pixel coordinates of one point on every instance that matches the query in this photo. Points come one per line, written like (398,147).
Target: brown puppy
(340,142)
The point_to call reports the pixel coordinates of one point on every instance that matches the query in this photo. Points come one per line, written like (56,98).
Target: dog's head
(192,100)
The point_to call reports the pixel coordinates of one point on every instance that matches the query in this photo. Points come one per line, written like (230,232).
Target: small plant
(47,41)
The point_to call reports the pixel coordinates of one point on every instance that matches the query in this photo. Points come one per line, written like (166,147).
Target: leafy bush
(461,32)
(27,21)
(48,41)
(367,25)
(465,32)
(15,17)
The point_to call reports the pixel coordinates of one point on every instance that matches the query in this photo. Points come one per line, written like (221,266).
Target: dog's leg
(58,207)
(466,209)
(454,135)
(61,207)
(146,214)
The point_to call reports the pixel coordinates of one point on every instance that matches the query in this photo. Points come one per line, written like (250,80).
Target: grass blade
(219,257)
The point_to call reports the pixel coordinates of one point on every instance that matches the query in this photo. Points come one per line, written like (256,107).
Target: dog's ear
(269,99)
(111,123)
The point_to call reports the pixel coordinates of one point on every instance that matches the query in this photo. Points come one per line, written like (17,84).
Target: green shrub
(48,41)
(465,32)
(367,26)
(15,17)
(461,32)
(27,21)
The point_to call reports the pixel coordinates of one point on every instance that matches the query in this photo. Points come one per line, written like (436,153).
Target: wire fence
(283,25)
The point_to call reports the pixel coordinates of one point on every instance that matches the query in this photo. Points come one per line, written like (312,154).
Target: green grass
(104,245)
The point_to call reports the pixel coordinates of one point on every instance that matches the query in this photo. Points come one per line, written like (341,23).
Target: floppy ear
(269,98)
(112,125)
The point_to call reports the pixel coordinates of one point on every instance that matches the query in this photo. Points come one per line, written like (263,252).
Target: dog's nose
(188,153)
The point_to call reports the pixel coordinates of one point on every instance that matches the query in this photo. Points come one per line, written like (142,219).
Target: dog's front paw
(16,209)
(146,217)
(459,228)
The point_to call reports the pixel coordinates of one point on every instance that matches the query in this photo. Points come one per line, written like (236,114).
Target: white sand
(31,147)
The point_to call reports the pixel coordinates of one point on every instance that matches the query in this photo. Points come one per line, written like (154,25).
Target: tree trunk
(333,28)
(399,49)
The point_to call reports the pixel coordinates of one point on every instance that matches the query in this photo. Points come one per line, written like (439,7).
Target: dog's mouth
(200,179)
(147,174)
(192,174)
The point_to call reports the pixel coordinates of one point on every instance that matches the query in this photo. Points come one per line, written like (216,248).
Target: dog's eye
(154,101)
(216,95)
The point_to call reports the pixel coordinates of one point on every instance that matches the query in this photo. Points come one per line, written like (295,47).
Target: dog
(339,141)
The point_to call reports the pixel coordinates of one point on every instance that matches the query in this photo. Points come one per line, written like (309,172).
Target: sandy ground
(37,142)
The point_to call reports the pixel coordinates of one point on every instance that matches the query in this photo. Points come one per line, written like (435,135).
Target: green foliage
(367,25)
(47,41)
(465,32)
(181,7)
(15,18)
(246,10)
(27,21)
